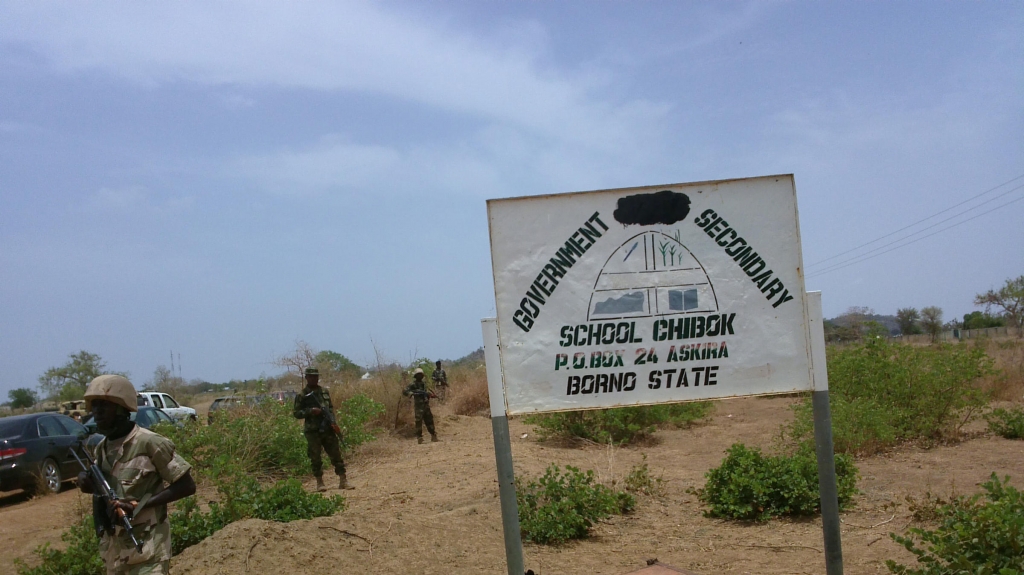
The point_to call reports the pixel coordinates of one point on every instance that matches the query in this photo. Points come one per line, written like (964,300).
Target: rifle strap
(142,502)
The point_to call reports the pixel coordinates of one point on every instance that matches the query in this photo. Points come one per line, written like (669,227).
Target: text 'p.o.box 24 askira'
(649,295)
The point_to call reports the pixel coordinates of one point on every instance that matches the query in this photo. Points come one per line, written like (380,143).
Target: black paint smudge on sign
(664,207)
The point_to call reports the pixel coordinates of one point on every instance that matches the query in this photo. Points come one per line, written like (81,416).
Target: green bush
(265,440)
(81,555)
(354,417)
(232,453)
(620,425)
(563,506)
(1007,422)
(288,501)
(752,486)
(189,525)
(242,497)
(883,393)
(640,481)
(980,535)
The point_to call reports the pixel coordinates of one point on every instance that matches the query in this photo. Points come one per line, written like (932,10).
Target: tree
(852,325)
(855,317)
(22,397)
(297,361)
(908,319)
(161,375)
(336,368)
(1010,297)
(979,320)
(164,380)
(69,381)
(336,362)
(931,321)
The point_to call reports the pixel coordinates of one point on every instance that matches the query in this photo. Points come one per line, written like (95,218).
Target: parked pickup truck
(165,402)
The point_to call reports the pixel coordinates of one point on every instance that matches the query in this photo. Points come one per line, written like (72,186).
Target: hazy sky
(221,179)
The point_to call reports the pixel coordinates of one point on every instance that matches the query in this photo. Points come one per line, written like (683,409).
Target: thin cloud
(137,200)
(326,46)
(325,166)
(489,163)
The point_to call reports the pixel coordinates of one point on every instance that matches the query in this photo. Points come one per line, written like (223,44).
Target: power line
(940,222)
(865,258)
(968,200)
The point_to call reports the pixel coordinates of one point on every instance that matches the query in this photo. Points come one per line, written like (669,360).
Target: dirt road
(433,508)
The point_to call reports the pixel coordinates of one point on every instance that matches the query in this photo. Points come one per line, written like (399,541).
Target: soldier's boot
(320,484)
(433,438)
(343,482)
(419,439)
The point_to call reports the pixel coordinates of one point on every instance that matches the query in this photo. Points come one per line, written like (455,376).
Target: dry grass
(1008,354)
(467,394)
(385,387)
(39,489)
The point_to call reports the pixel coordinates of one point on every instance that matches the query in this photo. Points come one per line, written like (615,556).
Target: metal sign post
(823,439)
(502,449)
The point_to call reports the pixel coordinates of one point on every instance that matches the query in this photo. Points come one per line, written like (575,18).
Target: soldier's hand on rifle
(85,482)
(128,506)
(315,411)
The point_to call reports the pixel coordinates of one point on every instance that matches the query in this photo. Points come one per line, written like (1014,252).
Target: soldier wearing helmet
(310,405)
(147,474)
(421,405)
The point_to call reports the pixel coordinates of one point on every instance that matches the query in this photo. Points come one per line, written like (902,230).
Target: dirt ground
(433,508)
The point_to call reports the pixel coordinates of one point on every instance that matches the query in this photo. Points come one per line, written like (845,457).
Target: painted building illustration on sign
(651,274)
(649,295)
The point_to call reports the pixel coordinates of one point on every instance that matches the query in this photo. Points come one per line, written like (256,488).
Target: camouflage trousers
(121,558)
(315,442)
(423,415)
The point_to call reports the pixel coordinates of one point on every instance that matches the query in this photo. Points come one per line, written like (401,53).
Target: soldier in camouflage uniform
(439,377)
(310,405)
(143,469)
(421,405)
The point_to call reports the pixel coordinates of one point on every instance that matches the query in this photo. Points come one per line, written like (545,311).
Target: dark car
(222,404)
(34,451)
(146,417)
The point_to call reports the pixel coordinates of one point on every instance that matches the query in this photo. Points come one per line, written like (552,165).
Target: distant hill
(470,360)
(888,321)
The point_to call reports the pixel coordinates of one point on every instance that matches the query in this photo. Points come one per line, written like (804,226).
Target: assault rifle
(422,393)
(328,421)
(102,499)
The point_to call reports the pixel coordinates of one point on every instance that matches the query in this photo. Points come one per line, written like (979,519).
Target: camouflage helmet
(419,371)
(113,388)
(311,371)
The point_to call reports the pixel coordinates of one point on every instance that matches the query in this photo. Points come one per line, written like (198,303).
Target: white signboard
(650,295)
